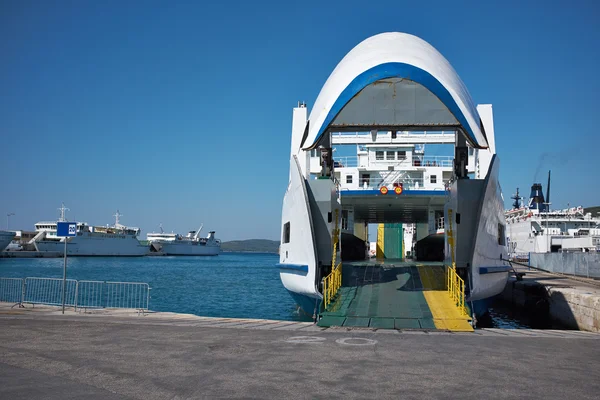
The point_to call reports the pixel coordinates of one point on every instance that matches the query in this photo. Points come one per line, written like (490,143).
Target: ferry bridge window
(379,155)
(286,232)
(390,155)
(433,179)
(348,178)
(401,155)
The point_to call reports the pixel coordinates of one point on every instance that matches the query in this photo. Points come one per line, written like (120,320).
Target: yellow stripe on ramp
(446,315)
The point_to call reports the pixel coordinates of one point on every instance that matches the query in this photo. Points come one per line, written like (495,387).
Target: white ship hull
(92,244)
(480,249)
(189,248)
(5,239)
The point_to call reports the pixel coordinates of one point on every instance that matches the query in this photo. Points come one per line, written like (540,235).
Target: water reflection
(504,316)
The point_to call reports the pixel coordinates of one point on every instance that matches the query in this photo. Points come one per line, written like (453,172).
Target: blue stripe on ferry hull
(293,267)
(494,270)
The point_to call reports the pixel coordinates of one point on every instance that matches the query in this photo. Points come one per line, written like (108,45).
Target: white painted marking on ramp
(356,341)
(305,339)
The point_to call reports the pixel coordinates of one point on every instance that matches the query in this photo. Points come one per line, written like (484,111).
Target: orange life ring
(383,190)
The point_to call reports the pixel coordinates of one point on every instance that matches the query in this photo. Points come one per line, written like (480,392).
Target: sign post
(66,230)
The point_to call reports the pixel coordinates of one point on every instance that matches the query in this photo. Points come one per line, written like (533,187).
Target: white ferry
(389,99)
(534,228)
(5,238)
(173,244)
(117,240)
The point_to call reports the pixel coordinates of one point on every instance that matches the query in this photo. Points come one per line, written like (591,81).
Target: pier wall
(579,264)
(570,303)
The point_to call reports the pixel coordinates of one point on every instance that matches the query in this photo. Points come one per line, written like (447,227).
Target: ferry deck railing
(407,184)
(333,281)
(416,161)
(455,285)
(81,294)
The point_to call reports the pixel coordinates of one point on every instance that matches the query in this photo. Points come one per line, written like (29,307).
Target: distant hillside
(593,210)
(252,245)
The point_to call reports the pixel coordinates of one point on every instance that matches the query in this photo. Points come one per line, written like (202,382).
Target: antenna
(548,190)
(62,210)
(517,198)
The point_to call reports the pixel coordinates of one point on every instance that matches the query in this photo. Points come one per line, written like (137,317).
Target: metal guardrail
(333,281)
(127,295)
(82,294)
(374,183)
(331,284)
(398,163)
(455,286)
(91,294)
(48,291)
(11,290)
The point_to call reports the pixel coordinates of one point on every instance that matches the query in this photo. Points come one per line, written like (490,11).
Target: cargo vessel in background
(103,241)
(533,227)
(173,244)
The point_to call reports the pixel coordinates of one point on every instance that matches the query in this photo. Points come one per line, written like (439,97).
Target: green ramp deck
(387,295)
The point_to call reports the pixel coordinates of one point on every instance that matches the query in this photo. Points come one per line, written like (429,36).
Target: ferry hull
(480,244)
(87,246)
(189,249)
(5,239)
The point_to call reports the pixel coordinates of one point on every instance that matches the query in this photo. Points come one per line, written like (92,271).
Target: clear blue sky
(180,112)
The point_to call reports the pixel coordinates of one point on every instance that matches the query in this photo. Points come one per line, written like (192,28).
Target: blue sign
(66,229)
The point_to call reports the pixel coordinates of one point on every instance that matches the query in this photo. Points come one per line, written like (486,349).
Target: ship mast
(117,215)
(517,199)
(62,210)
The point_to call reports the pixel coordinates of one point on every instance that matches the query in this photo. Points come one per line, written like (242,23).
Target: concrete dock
(572,302)
(116,355)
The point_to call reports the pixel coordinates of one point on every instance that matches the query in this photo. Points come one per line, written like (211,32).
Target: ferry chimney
(536,199)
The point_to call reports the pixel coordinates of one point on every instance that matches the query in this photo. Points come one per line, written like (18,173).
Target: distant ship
(5,238)
(172,244)
(534,228)
(108,241)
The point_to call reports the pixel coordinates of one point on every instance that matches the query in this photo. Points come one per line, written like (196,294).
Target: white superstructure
(172,244)
(117,240)
(533,228)
(162,236)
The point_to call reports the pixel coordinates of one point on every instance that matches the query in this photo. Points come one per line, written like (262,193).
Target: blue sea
(234,285)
